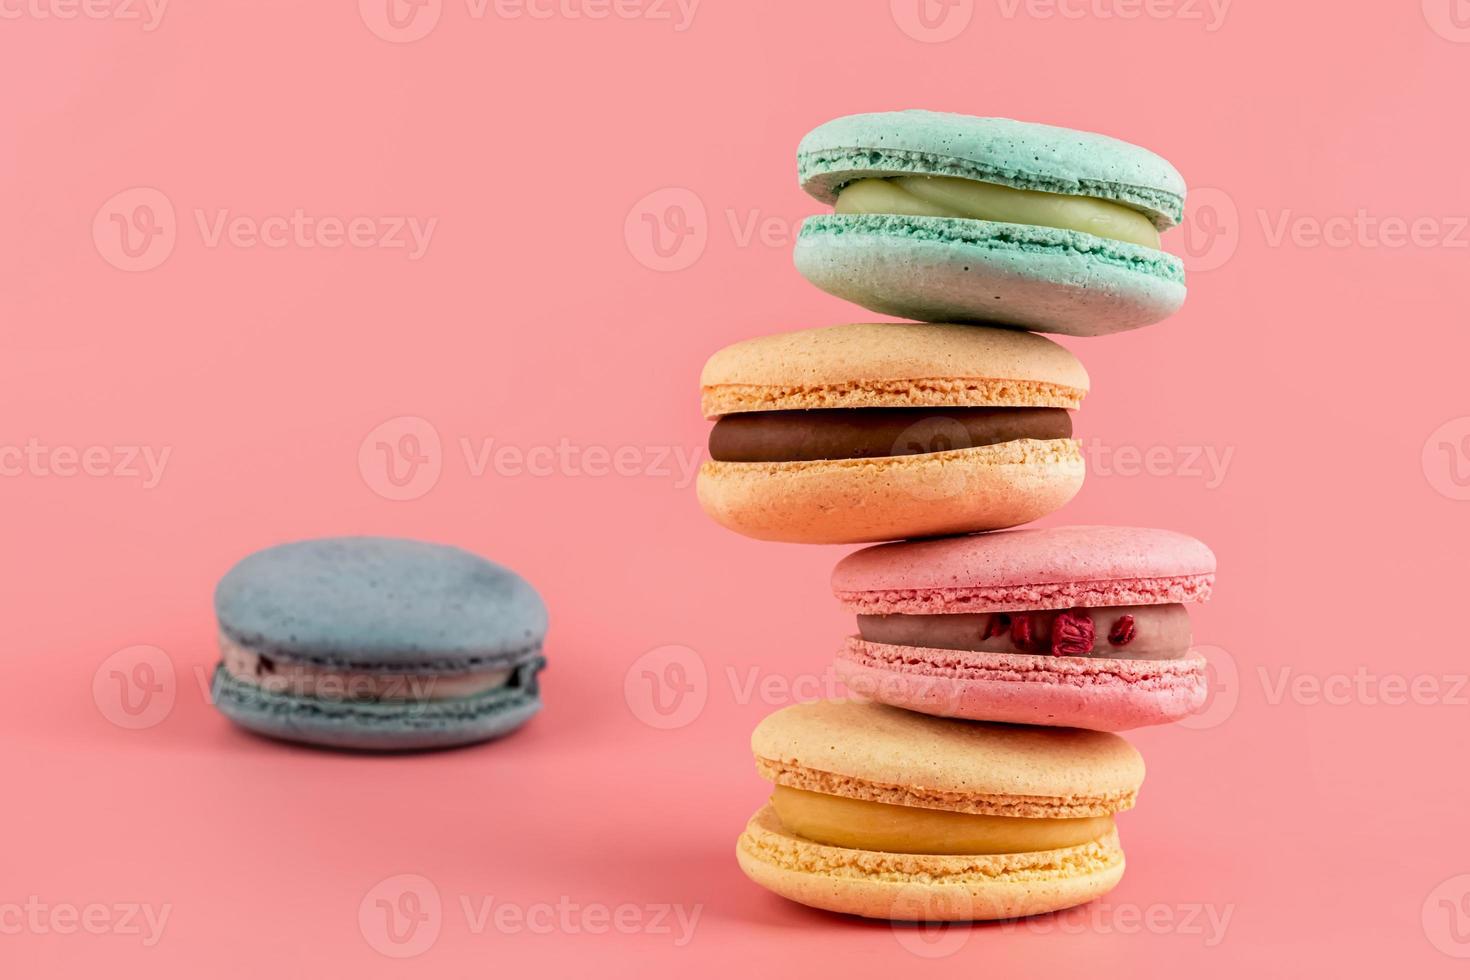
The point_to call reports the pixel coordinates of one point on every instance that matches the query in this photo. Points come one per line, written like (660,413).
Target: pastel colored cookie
(377,643)
(947,217)
(894,815)
(1074,626)
(876,431)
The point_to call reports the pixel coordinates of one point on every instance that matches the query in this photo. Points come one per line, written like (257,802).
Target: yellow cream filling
(869,826)
(956,197)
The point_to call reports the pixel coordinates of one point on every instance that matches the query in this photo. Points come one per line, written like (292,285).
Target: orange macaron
(877,431)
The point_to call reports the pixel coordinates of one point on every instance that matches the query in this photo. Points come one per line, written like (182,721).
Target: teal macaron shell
(381,607)
(1029,156)
(946,269)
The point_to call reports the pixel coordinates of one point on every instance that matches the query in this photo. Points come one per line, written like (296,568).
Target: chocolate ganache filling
(865,433)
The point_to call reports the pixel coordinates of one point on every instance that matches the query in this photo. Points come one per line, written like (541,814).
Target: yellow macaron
(889,814)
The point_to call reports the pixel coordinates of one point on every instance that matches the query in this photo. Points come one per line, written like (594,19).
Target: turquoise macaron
(971,265)
(377,644)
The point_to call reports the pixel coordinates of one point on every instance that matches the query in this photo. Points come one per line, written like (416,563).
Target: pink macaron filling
(1153,632)
(304,680)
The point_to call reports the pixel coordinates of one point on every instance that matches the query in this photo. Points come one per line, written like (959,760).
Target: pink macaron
(1084,627)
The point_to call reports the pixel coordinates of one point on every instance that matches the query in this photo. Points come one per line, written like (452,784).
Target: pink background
(1327,824)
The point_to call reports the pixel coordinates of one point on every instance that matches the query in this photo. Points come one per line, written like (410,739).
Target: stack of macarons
(976,773)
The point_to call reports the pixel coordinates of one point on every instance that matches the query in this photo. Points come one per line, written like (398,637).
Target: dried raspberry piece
(1123,631)
(1072,634)
(999,624)
(1022,632)
(1029,629)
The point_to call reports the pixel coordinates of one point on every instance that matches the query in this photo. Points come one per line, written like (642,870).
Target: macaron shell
(967,271)
(1033,568)
(376,725)
(1031,156)
(872,751)
(1100,694)
(851,501)
(925,887)
(381,603)
(867,365)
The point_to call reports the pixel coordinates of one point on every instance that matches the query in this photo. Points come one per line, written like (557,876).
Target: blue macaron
(377,643)
(932,262)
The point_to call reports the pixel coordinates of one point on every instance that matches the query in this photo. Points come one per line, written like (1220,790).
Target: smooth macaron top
(381,604)
(888,365)
(1032,568)
(865,750)
(1029,156)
